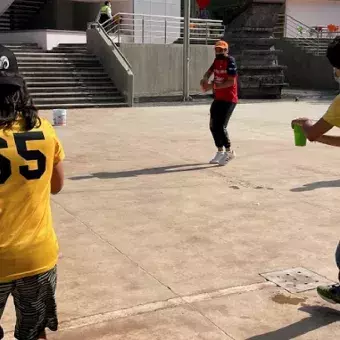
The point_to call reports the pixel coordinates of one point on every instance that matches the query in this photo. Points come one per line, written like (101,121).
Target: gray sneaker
(227,157)
(217,157)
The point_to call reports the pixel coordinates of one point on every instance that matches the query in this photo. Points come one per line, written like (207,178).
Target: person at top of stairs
(105,12)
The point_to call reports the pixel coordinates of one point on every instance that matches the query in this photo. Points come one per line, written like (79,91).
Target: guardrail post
(285,27)
(206,33)
(186,51)
(143,28)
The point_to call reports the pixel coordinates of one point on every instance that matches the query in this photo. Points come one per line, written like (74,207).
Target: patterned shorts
(35,305)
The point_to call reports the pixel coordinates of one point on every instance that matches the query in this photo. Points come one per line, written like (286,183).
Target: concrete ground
(157,244)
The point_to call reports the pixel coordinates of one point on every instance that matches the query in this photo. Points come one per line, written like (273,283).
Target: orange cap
(222,44)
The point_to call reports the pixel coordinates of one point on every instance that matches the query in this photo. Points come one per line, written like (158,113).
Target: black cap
(9,71)
(333,52)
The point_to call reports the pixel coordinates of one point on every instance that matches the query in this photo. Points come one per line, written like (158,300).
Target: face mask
(220,56)
(337,78)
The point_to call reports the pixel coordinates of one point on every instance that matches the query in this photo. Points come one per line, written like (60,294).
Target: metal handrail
(115,46)
(100,26)
(304,36)
(163,17)
(123,63)
(297,21)
(144,27)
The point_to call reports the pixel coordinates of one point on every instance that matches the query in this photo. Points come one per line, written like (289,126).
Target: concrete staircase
(279,28)
(312,45)
(260,75)
(67,77)
(251,40)
(19,13)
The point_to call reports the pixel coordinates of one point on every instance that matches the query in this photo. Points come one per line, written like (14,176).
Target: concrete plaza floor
(157,244)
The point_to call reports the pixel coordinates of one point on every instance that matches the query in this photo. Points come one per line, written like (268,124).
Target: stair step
(71,45)
(258,52)
(73,80)
(262,86)
(65,74)
(29,2)
(53,54)
(57,100)
(18,4)
(262,67)
(51,61)
(70,89)
(59,69)
(70,50)
(37,83)
(82,105)
(48,61)
(262,78)
(20,49)
(22,45)
(252,29)
(18,15)
(24,6)
(76,94)
(274,85)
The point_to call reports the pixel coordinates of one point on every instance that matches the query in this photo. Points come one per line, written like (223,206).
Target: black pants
(103,18)
(220,113)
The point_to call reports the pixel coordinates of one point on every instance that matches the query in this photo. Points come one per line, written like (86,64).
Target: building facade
(314,12)
(73,15)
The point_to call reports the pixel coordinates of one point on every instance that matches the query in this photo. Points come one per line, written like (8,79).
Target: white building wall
(160,30)
(314,12)
(123,6)
(158,7)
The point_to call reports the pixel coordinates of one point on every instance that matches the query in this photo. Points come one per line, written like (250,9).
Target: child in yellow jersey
(316,133)
(30,170)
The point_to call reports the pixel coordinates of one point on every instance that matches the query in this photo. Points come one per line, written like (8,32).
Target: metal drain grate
(296,280)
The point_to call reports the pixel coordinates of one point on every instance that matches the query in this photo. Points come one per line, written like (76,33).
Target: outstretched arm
(314,131)
(330,140)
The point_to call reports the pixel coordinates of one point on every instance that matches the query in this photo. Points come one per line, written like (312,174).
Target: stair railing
(304,36)
(157,29)
(114,61)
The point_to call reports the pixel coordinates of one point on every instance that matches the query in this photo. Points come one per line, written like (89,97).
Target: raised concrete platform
(159,245)
(46,39)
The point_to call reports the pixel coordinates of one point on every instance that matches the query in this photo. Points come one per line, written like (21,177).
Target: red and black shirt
(224,68)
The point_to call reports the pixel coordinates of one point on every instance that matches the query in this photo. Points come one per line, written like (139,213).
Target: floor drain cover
(296,280)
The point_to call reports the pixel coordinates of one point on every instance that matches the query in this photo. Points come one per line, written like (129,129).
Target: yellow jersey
(332,115)
(28,243)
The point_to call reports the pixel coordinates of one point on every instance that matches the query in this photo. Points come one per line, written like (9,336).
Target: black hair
(333,52)
(16,103)
(107,3)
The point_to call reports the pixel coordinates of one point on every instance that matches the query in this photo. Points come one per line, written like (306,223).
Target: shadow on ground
(318,185)
(319,317)
(147,171)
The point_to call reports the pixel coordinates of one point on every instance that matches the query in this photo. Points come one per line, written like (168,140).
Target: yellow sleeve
(59,153)
(332,115)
